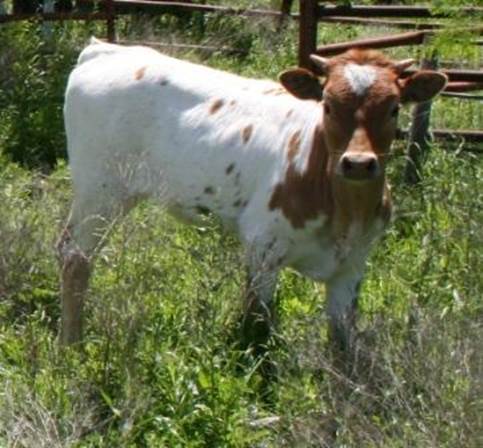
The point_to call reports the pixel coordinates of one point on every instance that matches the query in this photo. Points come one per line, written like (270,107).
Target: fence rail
(311,12)
(392,11)
(394,40)
(54,16)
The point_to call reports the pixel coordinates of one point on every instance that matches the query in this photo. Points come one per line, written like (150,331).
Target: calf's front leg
(342,297)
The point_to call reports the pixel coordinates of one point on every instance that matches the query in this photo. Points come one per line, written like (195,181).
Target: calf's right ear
(302,84)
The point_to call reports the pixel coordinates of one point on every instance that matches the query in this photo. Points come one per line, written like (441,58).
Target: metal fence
(311,12)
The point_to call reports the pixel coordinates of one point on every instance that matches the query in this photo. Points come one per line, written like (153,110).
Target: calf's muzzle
(359,167)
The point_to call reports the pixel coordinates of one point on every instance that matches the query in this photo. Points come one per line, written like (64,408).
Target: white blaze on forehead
(360,77)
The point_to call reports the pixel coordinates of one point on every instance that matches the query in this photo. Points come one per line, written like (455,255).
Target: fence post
(285,9)
(307,31)
(110,21)
(418,138)
(48,7)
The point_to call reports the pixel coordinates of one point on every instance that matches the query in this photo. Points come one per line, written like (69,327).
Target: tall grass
(160,365)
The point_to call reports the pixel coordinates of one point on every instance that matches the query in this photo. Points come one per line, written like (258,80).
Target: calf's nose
(359,167)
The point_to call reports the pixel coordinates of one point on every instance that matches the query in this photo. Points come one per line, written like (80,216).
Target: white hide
(143,124)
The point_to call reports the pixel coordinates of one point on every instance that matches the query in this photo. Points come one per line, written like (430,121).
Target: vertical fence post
(285,9)
(307,31)
(47,7)
(418,141)
(110,21)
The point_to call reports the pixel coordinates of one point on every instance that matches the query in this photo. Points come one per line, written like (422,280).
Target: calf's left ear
(422,86)
(302,84)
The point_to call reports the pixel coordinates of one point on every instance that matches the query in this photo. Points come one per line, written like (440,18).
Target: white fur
(360,77)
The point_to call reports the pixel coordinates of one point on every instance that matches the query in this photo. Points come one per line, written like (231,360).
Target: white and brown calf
(297,172)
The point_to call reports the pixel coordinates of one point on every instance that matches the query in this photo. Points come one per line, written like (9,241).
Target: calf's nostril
(346,164)
(371,166)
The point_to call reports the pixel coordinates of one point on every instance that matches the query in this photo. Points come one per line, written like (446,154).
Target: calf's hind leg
(85,231)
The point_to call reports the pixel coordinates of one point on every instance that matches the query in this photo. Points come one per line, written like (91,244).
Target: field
(160,366)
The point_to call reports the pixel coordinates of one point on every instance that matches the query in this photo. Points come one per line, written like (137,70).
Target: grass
(160,367)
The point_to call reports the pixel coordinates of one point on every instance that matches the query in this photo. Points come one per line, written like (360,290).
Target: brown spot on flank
(230,168)
(139,73)
(232,102)
(293,146)
(290,112)
(209,190)
(216,106)
(247,133)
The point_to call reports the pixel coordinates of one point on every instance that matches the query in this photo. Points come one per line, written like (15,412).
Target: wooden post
(418,142)
(285,9)
(307,31)
(48,7)
(110,22)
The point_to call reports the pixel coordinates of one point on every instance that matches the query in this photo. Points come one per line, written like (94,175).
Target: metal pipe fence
(311,12)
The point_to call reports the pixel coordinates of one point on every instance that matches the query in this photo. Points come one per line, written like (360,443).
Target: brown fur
(303,196)
(216,106)
(293,146)
(362,57)
(140,73)
(247,133)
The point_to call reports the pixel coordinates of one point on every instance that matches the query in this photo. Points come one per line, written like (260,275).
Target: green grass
(160,366)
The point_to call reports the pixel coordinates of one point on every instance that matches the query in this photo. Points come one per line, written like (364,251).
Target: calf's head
(360,97)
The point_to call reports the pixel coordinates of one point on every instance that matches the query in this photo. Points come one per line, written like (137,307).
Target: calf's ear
(422,86)
(302,84)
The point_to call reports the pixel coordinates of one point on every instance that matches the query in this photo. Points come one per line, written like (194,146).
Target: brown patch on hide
(293,146)
(216,106)
(247,133)
(302,196)
(140,73)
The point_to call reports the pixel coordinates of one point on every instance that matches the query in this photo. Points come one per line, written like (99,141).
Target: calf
(295,170)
